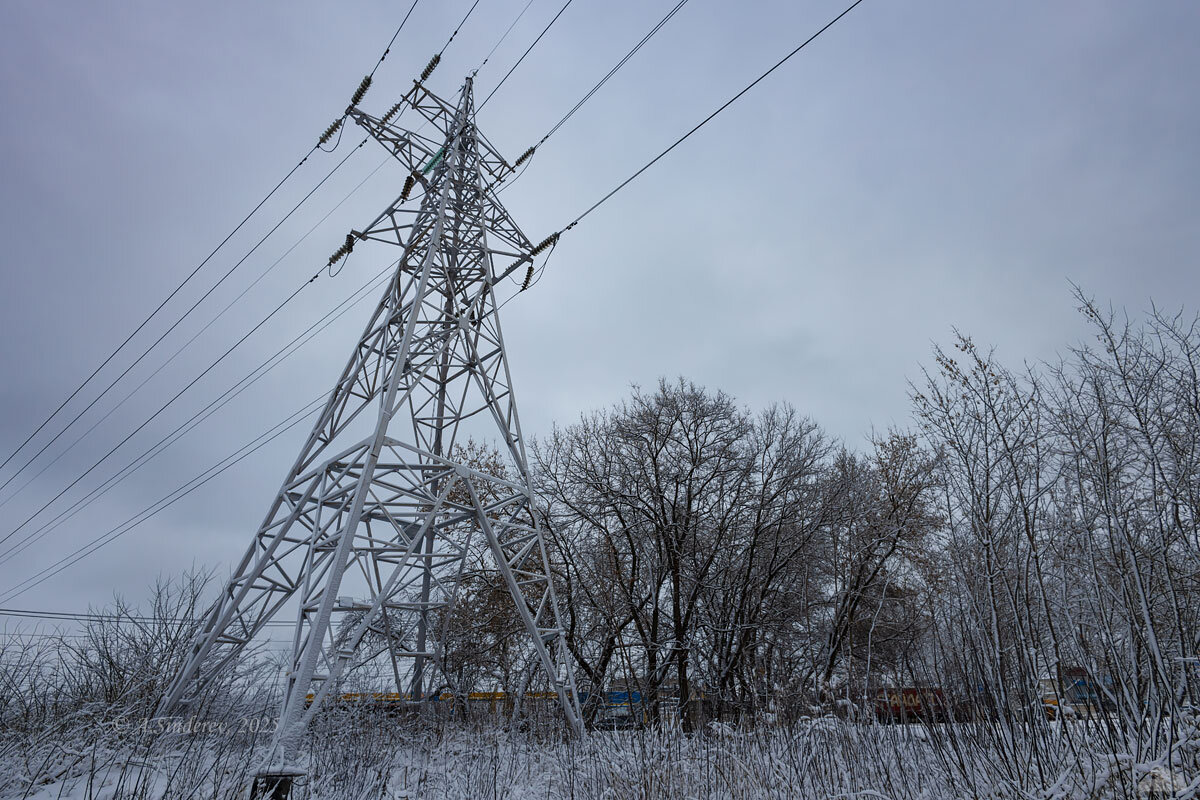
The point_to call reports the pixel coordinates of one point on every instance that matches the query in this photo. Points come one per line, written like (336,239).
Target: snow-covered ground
(386,757)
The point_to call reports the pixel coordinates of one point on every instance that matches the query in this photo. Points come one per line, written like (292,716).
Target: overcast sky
(922,166)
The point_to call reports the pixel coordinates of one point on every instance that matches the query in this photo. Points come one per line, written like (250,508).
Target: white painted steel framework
(394,509)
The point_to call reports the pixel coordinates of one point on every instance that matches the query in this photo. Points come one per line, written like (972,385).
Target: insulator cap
(360,91)
(524,157)
(329,132)
(431,66)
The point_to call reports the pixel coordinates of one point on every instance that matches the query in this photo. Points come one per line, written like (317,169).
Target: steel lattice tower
(393,510)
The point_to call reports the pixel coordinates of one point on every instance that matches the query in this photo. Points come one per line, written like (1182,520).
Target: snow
(404,758)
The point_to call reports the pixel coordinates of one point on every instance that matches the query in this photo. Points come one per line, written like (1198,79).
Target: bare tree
(881,525)
(657,487)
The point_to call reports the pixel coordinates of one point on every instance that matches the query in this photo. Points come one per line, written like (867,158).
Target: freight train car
(912,704)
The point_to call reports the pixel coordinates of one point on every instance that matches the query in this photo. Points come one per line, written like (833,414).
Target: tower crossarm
(414,151)
(421,155)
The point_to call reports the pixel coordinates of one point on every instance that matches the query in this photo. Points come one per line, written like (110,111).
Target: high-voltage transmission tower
(377,523)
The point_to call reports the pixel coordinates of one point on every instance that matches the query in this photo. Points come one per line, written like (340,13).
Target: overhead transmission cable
(170,329)
(180,320)
(325,137)
(524,157)
(175,324)
(586,97)
(458,27)
(223,399)
(552,241)
(358,94)
(178,288)
(226,397)
(170,499)
(277,645)
(157,309)
(360,294)
(161,408)
(392,41)
(286,351)
(356,98)
(574,109)
(549,25)
(170,359)
(614,70)
(92,616)
(503,36)
(710,117)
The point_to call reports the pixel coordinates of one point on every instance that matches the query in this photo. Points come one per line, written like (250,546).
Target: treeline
(730,555)
(723,561)
(1033,521)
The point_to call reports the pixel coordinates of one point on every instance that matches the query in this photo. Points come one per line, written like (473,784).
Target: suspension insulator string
(357,97)
(524,157)
(431,66)
(393,111)
(337,254)
(549,241)
(329,132)
(408,185)
(542,245)
(345,250)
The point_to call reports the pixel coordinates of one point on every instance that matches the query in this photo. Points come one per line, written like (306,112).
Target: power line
(358,94)
(649,164)
(164,335)
(195,271)
(553,238)
(503,36)
(208,293)
(154,313)
(166,502)
(362,88)
(596,87)
(274,645)
(458,27)
(223,399)
(312,229)
(164,407)
(161,408)
(614,70)
(91,616)
(522,58)
(709,118)
(392,41)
